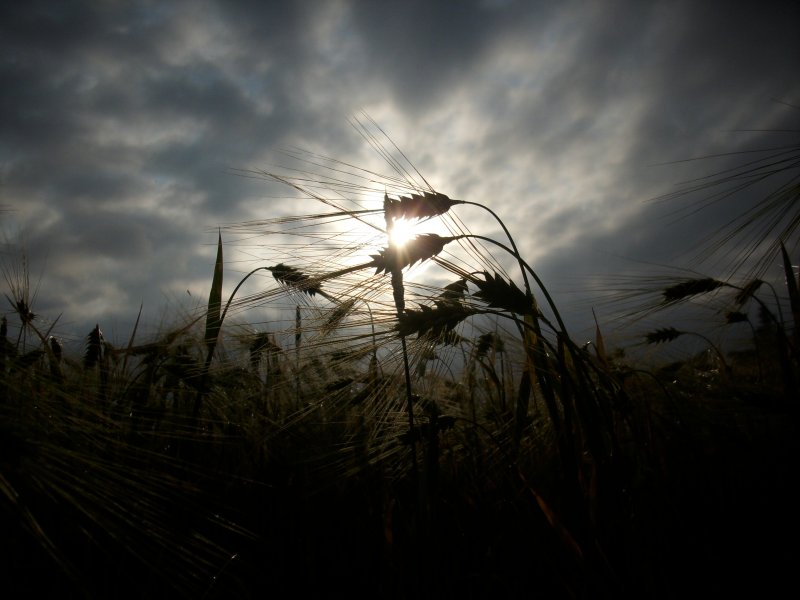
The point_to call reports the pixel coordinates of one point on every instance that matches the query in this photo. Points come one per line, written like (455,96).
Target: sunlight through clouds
(555,115)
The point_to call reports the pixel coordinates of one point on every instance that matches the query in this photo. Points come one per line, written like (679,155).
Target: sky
(124,127)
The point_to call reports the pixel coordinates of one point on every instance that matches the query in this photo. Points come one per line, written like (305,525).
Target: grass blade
(791,286)
(599,344)
(213,322)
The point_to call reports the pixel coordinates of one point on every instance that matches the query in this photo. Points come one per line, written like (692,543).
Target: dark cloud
(424,49)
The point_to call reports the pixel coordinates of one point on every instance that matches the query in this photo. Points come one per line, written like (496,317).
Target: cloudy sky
(122,125)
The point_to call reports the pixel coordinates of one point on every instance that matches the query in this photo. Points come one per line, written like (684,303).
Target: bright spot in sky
(402,232)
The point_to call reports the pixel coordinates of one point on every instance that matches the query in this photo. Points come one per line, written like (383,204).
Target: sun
(402,232)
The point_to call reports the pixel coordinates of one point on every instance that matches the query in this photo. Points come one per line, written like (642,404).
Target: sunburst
(403,231)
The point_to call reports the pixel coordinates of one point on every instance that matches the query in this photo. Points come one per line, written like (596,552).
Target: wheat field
(356,414)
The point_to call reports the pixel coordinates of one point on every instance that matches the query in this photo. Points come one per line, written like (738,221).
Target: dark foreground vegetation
(381,437)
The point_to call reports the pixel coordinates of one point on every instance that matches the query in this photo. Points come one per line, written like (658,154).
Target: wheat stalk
(690,287)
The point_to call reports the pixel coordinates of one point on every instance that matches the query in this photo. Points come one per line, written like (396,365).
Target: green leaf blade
(213,321)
